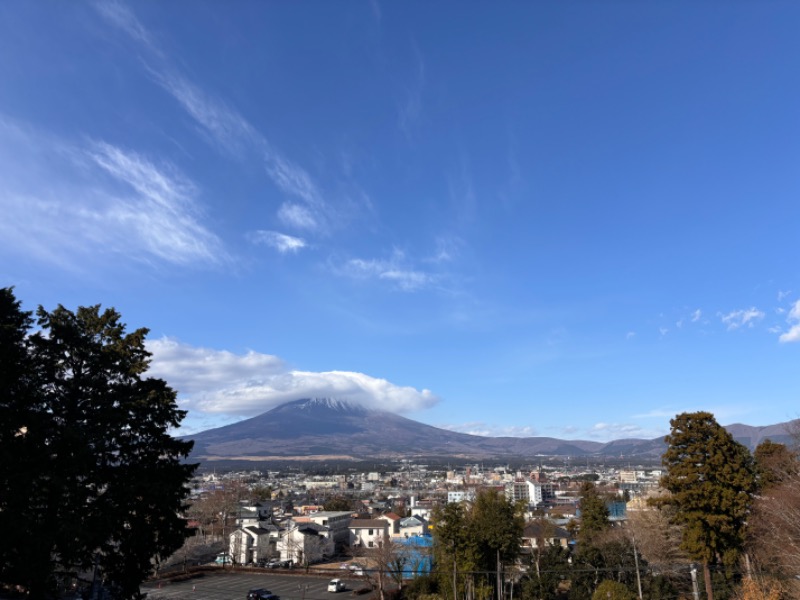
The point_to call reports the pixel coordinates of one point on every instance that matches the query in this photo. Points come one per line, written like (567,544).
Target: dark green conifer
(90,476)
(711,480)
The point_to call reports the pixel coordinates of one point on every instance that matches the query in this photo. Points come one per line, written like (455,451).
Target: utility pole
(695,591)
(455,578)
(499,578)
(636,562)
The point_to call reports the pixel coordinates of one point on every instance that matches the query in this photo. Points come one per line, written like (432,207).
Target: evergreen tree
(552,567)
(594,515)
(454,549)
(711,480)
(775,464)
(474,542)
(612,590)
(338,503)
(89,476)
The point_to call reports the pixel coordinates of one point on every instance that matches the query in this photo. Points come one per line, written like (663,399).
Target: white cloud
(793,335)
(663,331)
(448,247)
(120,16)
(618,431)
(743,317)
(782,295)
(217,381)
(393,270)
(794,312)
(407,280)
(490,430)
(630,335)
(696,315)
(62,202)
(163,214)
(297,216)
(280,241)
(235,134)
(292,179)
(226,128)
(657,413)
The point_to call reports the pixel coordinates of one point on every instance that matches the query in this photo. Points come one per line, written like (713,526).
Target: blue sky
(559,219)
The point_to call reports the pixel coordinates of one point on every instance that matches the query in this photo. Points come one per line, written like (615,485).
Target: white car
(336,585)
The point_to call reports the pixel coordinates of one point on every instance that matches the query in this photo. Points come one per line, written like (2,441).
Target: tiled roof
(368,524)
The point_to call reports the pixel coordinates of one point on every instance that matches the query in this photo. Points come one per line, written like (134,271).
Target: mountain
(325,429)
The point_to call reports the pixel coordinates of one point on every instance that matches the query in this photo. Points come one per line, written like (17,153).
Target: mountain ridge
(325,427)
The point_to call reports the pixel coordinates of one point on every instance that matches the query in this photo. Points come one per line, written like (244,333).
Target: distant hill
(325,429)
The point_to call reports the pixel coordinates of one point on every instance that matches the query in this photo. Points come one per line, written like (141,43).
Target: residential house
(394,523)
(306,543)
(411,526)
(335,520)
(249,544)
(368,533)
(542,534)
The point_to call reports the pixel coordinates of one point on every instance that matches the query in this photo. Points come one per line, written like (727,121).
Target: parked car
(357,569)
(260,594)
(336,585)
(223,559)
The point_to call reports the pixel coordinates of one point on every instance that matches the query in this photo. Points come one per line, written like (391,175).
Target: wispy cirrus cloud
(163,213)
(448,248)
(793,335)
(746,317)
(63,201)
(395,270)
(410,107)
(283,243)
(226,128)
(218,381)
(297,216)
(120,16)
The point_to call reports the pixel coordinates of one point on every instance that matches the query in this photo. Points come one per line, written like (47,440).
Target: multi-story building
(533,493)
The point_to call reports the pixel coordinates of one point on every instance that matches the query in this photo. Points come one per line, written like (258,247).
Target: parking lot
(234,586)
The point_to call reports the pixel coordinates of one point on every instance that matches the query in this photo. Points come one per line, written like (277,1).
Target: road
(234,586)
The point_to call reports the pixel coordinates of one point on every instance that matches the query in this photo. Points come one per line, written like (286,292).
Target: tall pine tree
(711,480)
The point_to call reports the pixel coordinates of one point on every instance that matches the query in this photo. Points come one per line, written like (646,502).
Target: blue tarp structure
(418,549)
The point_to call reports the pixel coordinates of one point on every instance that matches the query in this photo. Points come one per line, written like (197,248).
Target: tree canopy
(711,480)
(474,541)
(775,464)
(338,503)
(594,512)
(90,477)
